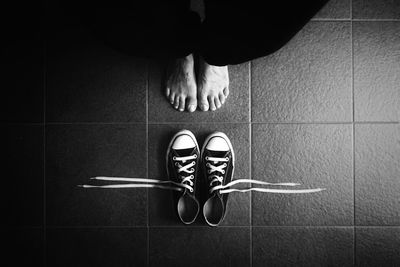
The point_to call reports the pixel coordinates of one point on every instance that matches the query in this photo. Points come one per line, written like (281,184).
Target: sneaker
(182,159)
(218,160)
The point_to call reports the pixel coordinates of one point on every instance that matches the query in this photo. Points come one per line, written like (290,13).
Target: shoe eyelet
(223,172)
(226,158)
(208,165)
(209,171)
(225,164)
(176,163)
(191,190)
(174,158)
(194,163)
(207,158)
(195,156)
(192,169)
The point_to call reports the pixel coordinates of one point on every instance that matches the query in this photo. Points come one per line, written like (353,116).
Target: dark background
(322,111)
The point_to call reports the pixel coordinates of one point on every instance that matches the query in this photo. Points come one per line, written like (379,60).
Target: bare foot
(181,88)
(213,86)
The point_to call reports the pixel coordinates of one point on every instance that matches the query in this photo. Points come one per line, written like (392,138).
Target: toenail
(192,108)
(181,109)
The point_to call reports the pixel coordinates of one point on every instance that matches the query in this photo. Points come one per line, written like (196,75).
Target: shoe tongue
(217,154)
(183,152)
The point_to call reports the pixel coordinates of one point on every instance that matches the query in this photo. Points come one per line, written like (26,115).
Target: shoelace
(217,179)
(186,181)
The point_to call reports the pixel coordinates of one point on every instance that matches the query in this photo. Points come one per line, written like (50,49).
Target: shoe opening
(213,210)
(188,208)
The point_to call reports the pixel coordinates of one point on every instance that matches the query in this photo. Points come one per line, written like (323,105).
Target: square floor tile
(299,246)
(307,80)
(74,153)
(376,9)
(23,175)
(199,246)
(87,81)
(377,173)
(376,70)
(97,247)
(22,75)
(236,108)
(378,246)
(335,9)
(22,247)
(162,210)
(316,156)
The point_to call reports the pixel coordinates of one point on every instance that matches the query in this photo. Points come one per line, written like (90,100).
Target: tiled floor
(322,111)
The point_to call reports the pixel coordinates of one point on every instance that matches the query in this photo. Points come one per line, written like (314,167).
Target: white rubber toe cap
(217,144)
(183,142)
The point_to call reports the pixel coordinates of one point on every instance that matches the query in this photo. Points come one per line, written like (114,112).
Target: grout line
(147,158)
(330,19)
(177,123)
(97,227)
(303,226)
(206,226)
(353,130)
(351,19)
(370,20)
(44,153)
(250,166)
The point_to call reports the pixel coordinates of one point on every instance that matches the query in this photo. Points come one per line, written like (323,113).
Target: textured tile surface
(235,110)
(316,156)
(74,153)
(377,246)
(22,168)
(22,247)
(298,246)
(376,9)
(161,206)
(376,70)
(335,9)
(200,246)
(97,247)
(309,79)
(89,82)
(377,173)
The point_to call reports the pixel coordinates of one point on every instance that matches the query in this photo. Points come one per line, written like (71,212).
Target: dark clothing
(232,32)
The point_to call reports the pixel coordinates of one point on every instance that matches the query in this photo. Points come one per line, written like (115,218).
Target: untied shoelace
(186,175)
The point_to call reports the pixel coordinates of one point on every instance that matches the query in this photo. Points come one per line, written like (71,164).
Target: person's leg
(157,29)
(235,32)
(145,28)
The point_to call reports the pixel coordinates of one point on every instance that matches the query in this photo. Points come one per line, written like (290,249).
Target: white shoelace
(186,181)
(186,175)
(214,178)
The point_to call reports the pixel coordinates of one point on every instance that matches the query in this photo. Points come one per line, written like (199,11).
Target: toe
(222,98)
(212,103)
(181,103)
(167,92)
(191,104)
(176,102)
(203,103)
(217,102)
(226,91)
(172,98)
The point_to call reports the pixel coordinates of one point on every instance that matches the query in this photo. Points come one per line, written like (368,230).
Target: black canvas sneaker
(218,160)
(182,160)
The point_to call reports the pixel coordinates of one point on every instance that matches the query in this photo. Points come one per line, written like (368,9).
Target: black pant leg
(234,32)
(146,28)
